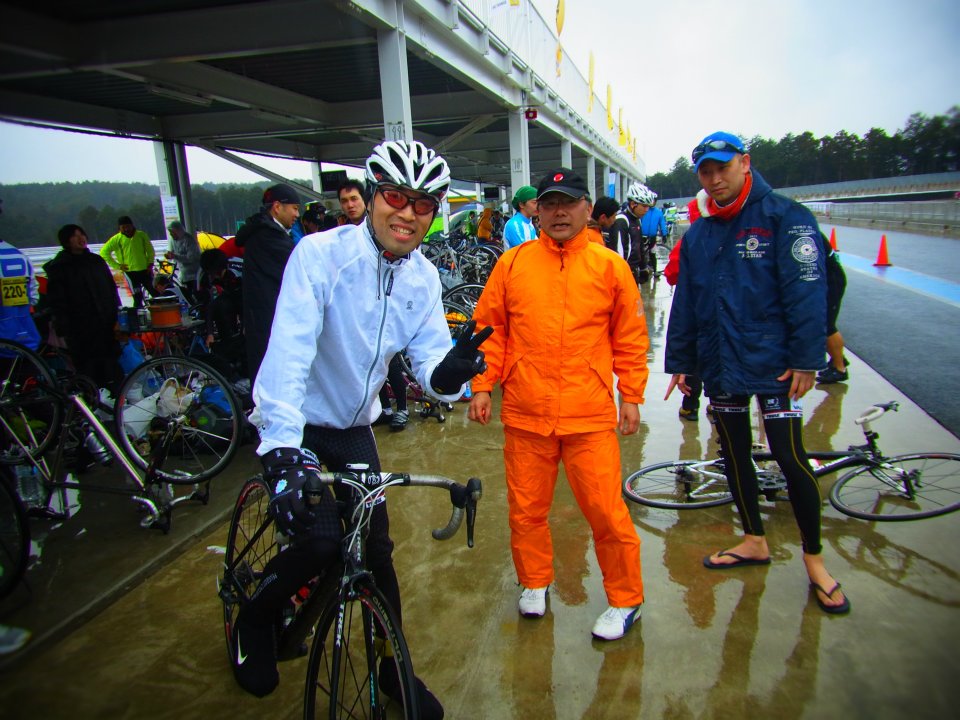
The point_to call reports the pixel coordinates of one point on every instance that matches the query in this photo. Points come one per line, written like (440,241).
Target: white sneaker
(614,622)
(533,602)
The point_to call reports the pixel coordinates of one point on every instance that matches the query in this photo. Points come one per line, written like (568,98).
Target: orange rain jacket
(565,319)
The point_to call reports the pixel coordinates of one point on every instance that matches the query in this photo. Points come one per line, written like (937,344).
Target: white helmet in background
(411,165)
(640,193)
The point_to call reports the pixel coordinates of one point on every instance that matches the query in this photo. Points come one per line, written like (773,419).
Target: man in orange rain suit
(567,315)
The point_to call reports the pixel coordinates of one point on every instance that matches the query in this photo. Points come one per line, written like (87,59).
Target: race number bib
(14,291)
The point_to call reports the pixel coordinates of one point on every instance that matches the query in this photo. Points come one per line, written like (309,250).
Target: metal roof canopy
(289,78)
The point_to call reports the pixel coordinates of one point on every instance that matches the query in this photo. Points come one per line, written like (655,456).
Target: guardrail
(941,216)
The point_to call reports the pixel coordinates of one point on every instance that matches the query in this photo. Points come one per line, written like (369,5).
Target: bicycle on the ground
(177,422)
(877,487)
(354,628)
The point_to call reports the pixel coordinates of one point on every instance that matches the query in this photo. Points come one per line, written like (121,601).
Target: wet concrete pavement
(112,640)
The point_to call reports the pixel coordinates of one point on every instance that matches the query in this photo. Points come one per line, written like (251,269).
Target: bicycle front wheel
(180,418)
(250,544)
(679,485)
(358,650)
(14,536)
(30,411)
(905,487)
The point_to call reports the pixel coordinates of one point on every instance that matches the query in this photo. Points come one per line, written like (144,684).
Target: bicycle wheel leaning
(30,412)
(905,487)
(250,544)
(180,417)
(679,485)
(14,535)
(358,648)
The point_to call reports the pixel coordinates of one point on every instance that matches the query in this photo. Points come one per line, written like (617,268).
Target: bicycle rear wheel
(250,544)
(356,638)
(905,487)
(180,417)
(30,410)
(679,485)
(14,536)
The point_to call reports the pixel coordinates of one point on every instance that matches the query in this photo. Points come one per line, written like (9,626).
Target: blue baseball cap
(719,146)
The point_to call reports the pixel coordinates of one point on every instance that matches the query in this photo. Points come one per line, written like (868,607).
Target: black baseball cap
(563,180)
(313,215)
(281,192)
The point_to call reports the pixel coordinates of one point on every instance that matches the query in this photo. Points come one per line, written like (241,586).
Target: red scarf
(728,212)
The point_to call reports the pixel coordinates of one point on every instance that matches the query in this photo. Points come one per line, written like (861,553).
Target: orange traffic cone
(833,239)
(882,259)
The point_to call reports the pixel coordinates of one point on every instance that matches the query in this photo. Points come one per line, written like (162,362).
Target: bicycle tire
(861,493)
(29,404)
(679,485)
(353,689)
(465,294)
(251,542)
(14,536)
(186,436)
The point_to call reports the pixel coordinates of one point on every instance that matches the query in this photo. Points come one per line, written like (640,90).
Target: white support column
(566,154)
(174,183)
(316,168)
(605,181)
(592,177)
(394,81)
(519,151)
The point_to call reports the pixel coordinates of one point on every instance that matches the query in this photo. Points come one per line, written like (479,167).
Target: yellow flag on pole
(559,17)
(590,98)
(609,107)
(622,139)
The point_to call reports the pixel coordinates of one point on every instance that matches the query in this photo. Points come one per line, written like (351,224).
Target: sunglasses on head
(422,205)
(714,146)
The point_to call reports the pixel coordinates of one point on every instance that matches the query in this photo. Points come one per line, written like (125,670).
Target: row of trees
(924,145)
(33,212)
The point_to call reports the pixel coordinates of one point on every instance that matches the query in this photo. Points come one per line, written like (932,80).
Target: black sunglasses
(422,205)
(714,146)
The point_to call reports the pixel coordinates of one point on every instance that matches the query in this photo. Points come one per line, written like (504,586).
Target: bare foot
(753,547)
(823,581)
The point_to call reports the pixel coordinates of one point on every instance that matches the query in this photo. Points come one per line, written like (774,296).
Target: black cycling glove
(287,470)
(462,362)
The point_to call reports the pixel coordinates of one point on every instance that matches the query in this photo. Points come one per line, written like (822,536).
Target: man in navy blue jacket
(749,317)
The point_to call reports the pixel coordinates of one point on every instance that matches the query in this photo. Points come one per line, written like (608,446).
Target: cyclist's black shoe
(430,707)
(686,414)
(384,419)
(832,375)
(255,658)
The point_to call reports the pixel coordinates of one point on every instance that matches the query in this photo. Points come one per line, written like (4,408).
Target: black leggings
(397,384)
(293,568)
(782,421)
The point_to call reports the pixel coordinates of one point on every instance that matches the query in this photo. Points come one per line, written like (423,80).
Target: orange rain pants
(592,463)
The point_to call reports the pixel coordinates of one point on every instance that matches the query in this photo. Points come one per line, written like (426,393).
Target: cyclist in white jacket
(351,299)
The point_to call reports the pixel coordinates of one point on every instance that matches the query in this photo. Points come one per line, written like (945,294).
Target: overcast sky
(679,68)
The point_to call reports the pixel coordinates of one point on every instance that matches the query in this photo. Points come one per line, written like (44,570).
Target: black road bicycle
(877,487)
(354,628)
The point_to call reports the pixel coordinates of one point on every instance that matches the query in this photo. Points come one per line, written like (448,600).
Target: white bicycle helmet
(412,165)
(640,193)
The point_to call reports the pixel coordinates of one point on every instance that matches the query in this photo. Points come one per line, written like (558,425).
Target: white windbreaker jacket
(342,314)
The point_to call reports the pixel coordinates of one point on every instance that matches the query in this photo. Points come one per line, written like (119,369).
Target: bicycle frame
(157,515)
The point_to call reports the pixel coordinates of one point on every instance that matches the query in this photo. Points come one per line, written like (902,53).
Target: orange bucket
(165,312)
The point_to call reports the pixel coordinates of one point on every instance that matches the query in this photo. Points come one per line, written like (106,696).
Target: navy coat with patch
(750,301)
